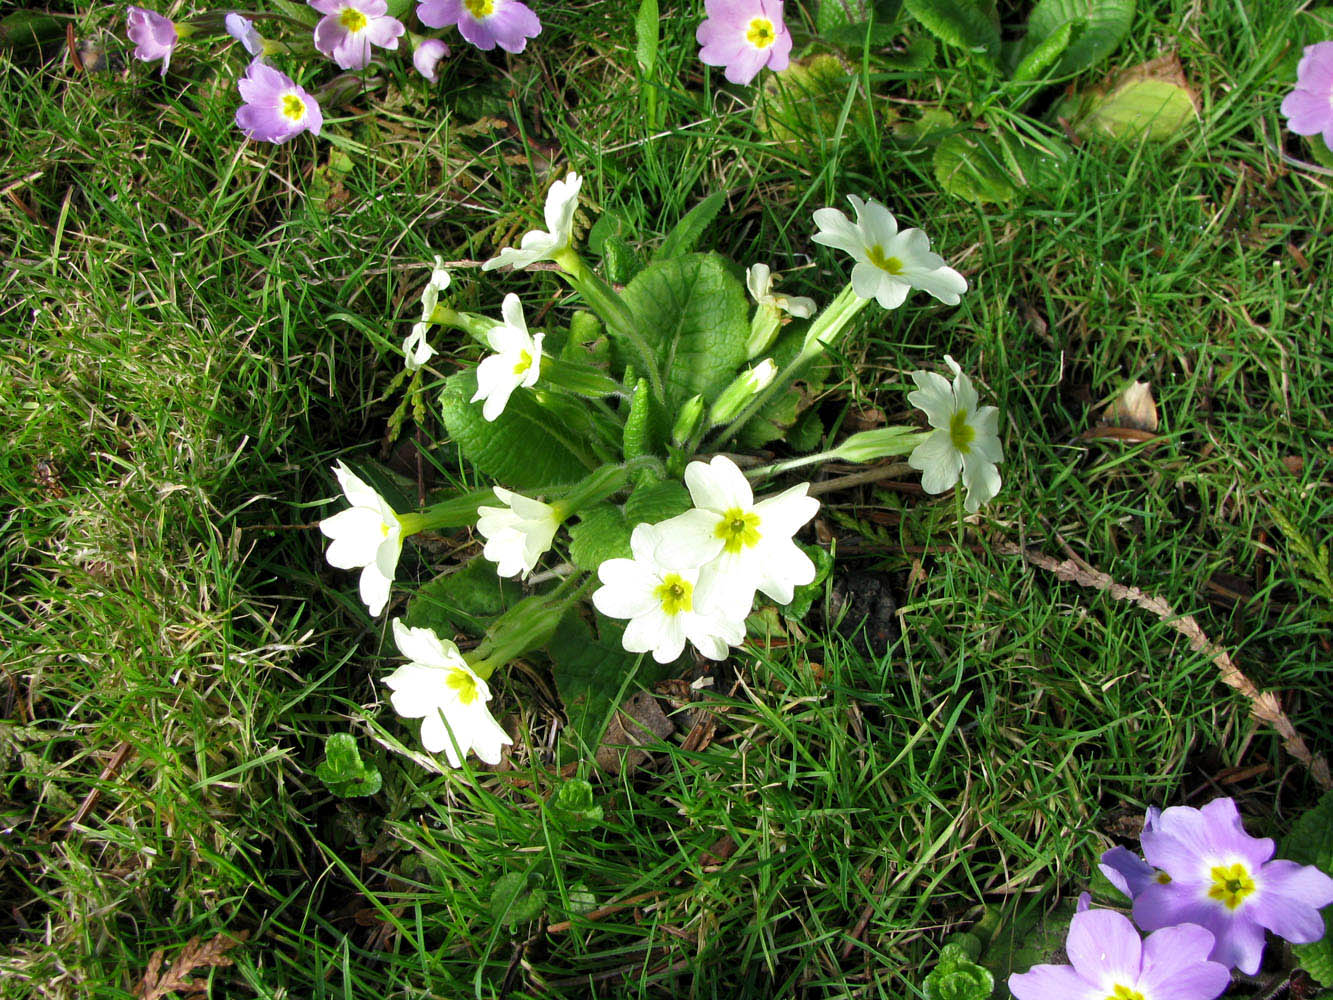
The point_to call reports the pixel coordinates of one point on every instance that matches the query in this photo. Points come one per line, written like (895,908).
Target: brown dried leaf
(157,982)
(640,721)
(1133,409)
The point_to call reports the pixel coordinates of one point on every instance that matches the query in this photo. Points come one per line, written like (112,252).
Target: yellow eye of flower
(676,594)
(738,530)
(480,9)
(961,432)
(1123,993)
(1231,885)
(760,33)
(293,107)
(465,684)
(351,19)
(892,265)
(524,362)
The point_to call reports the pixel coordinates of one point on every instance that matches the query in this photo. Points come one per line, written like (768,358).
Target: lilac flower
(244,31)
(153,35)
(1309,108)
(275,108)
(744,36)
(1223,880)
(1126,870)
(427,55)
(485,23)
(350,27)
(1110,962)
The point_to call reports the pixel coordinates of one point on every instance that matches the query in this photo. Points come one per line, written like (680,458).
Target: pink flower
(427,56)
(485,23)
(1309,108)
(275,108)
(244,31)
(350,27)
(153,35)
(744,36)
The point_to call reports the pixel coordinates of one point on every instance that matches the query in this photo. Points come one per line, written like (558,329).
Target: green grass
(190,342)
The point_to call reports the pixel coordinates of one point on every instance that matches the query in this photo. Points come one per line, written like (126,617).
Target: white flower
(888,262)
(518,533)
(661,603)
(439,687)
(965,437)
(759,280)
(368,534)
(741,546)
(517,360)
(561,201)
(415,349)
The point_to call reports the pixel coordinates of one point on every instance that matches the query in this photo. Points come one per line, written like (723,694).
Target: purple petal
(1315,70)
(1186,842)
(1053,982)
(1127,871)
(154,35)
(384,32)
(1103,943)
(512,24)
(427,56)
(440,13)
(1175,964)
(1288,900)
(1307,112)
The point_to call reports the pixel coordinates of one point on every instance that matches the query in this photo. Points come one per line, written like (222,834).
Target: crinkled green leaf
(1157,110)
(465,600)
(958,976)
(686,233)
(1044,54)
(515,900)
(656,502)
(523,448)
(600,534)
(693,313)
(342,771)
(1098,27)
(645,430)
(971,167)
(1310,842)
(588,672)
(574,807)
(964,23)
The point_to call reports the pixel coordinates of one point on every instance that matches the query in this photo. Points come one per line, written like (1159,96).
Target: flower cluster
(695,575)
(1206,890)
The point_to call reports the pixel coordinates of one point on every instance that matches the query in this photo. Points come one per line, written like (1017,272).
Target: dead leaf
(1133,409)
(640,721)
(157,982)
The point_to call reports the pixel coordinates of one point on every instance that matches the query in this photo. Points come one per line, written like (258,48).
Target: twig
(117,761)
(1264,705)
(603,911)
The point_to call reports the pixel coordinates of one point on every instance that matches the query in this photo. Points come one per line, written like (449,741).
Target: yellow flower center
(351,19)
(1161,878)
(961,433)
(480,9)
(524,362)
(1119,992)
(676,594)
(891,265)
(738,530)
(760,33)
(293,107)
(464,683)
(1230,885)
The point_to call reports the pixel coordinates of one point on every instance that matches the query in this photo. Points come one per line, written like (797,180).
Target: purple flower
(1309,108)
(1110,962)
(744,36)
(153,35)
(350,27)
(275,108)
(427,55)
(244,31)
(485,23)
(1221,879)
(1126,870)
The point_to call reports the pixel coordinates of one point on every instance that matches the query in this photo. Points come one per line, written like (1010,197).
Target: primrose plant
(619,444)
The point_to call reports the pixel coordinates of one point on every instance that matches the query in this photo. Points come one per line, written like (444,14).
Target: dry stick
(1264,705)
